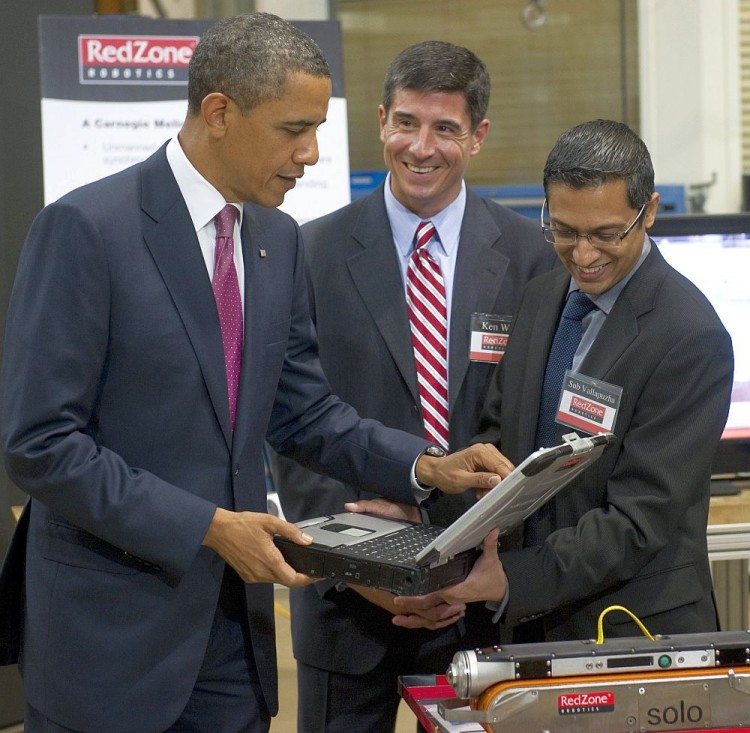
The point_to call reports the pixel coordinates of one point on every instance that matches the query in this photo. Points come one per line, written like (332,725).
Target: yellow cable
(600,623)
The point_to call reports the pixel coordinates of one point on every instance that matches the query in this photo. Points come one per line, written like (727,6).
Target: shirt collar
(404,222)
(605,301)
(202,199)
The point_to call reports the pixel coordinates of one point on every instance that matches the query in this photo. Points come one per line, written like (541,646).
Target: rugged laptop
(408,558)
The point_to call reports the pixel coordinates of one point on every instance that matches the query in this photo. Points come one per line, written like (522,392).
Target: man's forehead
(613,192)
(303,96)
(451,105)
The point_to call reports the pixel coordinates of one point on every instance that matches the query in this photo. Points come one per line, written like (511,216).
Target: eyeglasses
(600,240)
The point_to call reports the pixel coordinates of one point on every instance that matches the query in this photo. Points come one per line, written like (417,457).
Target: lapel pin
(262,252)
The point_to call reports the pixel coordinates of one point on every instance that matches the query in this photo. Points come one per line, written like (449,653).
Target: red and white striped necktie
(428,315)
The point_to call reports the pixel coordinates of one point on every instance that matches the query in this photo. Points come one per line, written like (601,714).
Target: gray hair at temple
(438,66)
(596,152)
(249,58)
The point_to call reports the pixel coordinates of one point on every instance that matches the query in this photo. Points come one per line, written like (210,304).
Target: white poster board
(114,89)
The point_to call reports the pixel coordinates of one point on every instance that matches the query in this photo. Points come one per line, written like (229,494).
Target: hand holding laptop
(412,559)
(246,541)
(433,613)
(485,582)
(437,615)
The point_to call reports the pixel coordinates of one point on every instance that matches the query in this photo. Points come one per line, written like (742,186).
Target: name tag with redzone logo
(588,404)
(489,337)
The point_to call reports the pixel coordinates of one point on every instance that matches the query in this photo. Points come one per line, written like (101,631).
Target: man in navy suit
(432,123)
(655,365)
(143,563)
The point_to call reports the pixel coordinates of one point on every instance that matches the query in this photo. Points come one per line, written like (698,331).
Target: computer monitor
(714,252)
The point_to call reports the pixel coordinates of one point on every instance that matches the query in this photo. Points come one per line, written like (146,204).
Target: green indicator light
(665,661)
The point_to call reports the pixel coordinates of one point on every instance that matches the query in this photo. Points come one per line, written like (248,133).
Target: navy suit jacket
(115,421)
(631,530)
(359,307)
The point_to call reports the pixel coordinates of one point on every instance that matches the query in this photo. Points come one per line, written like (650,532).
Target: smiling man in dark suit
(145,553)
(655,365)
(432,123)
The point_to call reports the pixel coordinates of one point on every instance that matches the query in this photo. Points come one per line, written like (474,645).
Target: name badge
(588,404)
(489,337)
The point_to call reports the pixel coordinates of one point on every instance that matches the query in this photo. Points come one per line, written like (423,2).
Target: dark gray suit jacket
(359,308)
(631,530)
(115,421)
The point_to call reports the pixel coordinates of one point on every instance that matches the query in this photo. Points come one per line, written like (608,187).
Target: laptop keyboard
(400,546)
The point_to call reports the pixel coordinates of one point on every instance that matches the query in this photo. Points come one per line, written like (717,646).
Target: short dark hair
(439,66)
(249,58)
(593,153)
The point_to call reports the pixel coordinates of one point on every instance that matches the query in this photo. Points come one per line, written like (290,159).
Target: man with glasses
(654,365)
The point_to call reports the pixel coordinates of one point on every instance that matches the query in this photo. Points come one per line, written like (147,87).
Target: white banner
(114,89)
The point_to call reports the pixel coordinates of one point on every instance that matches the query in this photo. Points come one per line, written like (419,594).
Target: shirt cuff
(499,606)
(420,492)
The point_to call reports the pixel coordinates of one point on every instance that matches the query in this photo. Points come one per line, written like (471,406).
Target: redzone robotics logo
(134,59)
(494,341)
(579,703)
(587,409)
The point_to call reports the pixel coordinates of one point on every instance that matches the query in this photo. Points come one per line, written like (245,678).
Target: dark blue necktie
(548,432)
(564,346)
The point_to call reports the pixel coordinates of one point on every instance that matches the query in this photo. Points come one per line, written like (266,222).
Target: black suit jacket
(115,421)
(359,308)
(631,530)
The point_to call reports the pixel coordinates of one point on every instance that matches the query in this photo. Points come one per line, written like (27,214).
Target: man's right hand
(480,466)
(485,582)
(245,541)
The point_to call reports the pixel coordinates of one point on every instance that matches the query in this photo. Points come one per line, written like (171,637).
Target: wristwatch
(436,452)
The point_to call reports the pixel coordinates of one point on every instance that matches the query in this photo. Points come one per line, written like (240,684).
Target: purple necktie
(228,302)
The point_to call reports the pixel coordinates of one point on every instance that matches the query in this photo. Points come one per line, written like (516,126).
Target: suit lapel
(477,280)
(174,246)
(621,327)
(377,255)
(617,333)
(258,292)
(539,341)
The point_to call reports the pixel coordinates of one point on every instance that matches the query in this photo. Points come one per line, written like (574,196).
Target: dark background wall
(21,197)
